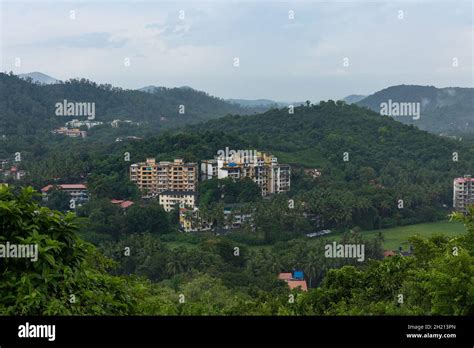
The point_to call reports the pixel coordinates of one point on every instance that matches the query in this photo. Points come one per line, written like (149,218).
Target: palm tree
(174,266)
(310,266)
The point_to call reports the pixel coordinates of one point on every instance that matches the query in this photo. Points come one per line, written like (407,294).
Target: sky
(285,50)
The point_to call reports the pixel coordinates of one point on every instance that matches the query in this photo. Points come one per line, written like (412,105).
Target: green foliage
(65,266)
(228,191)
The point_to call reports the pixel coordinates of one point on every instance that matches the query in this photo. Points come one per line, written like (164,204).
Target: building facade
(77,192)
(183,199)
(463,193)
(70,132)
(153,178)
(77,124)
(263,169)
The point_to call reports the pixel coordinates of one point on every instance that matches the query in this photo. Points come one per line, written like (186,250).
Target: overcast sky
(382,43)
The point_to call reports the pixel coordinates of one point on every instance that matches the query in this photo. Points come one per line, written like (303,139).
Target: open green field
(394,237)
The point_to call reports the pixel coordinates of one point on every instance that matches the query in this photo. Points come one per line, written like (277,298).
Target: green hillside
(24,104)
(443,110)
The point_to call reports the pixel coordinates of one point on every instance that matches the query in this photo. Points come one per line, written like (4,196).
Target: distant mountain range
(24,104)
(39,77)
(353,98)
(442,110)
(154,89)
(262,103)
(247,103)
(448,111)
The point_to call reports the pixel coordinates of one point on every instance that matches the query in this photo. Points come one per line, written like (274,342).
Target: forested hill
(318,135)
(27,108)
(443,110)
(385,161)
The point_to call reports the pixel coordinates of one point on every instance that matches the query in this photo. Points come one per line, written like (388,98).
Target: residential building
(294,280)
(236,215)
(313,172)
(463,193)
(122,203)
(13,173)
(389,253)
(70,132)
(116,123)
(263,169)
(76,123)
(78,192)
(191,220)
(184,199)
(154,177)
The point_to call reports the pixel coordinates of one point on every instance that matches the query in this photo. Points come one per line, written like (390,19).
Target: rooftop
(293,284)
(65,187)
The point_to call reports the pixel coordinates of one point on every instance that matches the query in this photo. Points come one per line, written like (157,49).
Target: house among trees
(294,280)
(78,192)
(123,204)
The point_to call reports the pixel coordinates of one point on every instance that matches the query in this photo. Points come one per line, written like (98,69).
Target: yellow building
(191,220)
(152,178)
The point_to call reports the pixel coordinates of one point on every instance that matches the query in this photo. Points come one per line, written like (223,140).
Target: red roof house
(122,203)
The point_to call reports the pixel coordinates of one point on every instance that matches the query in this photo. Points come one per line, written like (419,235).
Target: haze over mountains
(24,104)
(39,77)
(448,111)
(442,110)
(353,98)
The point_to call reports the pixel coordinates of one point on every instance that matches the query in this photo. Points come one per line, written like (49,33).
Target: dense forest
(72,277)
(29,108)
(375,173)
(447,111)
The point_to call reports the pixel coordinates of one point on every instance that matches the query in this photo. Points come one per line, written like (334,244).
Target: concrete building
(263,169)
(12,173)
(236,215)
(78,192)
(76,123)
(294,280)
(154,178)
(184,199)
(70,132)
(463,193)
(191,220)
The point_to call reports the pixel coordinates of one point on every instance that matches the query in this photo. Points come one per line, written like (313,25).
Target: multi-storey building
(77,124)
(154,177)
(263,169)
(70,132)
(77,192)
(191,220)
(183,199)
(463,192)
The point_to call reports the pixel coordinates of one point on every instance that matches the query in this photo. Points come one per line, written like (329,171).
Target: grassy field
(394,237)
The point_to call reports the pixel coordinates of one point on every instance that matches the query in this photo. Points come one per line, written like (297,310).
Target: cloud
(280,58)
(87,40)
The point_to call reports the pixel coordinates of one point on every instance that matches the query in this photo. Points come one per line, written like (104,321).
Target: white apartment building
(184,199)
(78,192)
(263,169)
(76,123)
